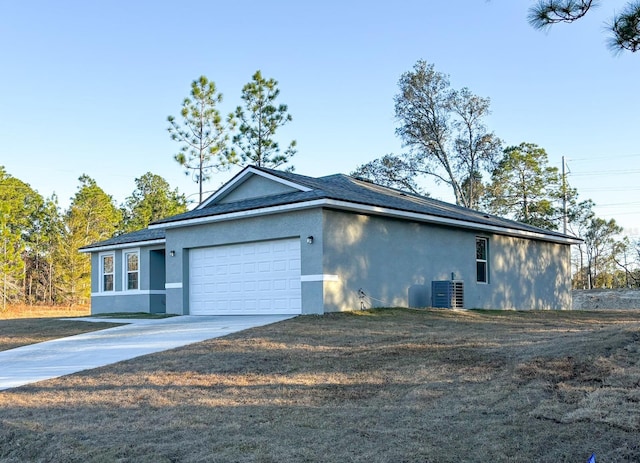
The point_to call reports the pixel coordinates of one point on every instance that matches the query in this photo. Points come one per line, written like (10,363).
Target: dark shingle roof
(344,188)
(140,236)
(337,187)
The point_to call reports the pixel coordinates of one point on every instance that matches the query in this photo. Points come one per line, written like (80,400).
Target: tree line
(39,242)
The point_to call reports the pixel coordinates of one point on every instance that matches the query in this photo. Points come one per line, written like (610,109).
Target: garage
(247,278)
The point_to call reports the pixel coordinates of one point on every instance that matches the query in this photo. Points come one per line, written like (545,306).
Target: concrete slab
(51,359)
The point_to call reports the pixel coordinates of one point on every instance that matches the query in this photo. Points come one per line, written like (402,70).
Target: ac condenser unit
(447,294)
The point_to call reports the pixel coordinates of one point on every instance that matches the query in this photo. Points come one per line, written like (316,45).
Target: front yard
(377,386)
(23,331)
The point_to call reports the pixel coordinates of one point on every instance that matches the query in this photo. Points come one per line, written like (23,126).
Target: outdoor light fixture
(172,253)
(310,239)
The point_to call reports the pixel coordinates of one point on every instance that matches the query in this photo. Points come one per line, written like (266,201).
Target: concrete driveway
(64,356)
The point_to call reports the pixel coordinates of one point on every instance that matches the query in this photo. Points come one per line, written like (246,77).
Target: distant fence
(617,299)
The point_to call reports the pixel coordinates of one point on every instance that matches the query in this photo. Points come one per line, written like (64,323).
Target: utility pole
(564,198)
(4,272)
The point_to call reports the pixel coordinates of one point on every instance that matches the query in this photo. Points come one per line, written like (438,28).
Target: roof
(342,191)
(146,236)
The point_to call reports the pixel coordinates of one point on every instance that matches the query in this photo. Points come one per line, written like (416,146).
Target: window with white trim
(482,260)
(107,268)
(131,260)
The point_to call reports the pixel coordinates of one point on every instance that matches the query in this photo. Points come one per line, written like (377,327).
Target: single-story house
(273,242)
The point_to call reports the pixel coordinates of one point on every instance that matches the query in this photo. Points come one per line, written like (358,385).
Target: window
(131,270)
(482,265)
(106,271)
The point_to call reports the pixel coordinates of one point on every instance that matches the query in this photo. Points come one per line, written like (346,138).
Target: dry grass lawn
(43,311)
(23,331)
(377,386)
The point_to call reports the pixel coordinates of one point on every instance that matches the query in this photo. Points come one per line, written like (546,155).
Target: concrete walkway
(64,356)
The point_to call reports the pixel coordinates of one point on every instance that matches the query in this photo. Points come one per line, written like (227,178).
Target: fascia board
(241,177)
(376,210)
(133,244)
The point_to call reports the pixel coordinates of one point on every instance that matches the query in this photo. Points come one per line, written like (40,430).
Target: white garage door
(249,278)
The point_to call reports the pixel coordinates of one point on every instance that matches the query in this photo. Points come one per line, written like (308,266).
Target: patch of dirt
(601,299)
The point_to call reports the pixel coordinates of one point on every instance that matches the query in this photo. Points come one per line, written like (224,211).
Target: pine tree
(525,188)
(41,243)
(257,122)
(153,199)
(19,206)
(91,217)
(11,263)
(624,26)
(202,133)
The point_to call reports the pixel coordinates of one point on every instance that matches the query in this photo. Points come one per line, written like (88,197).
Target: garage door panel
(294,264)
(250,278)
(249,267)
(279,266)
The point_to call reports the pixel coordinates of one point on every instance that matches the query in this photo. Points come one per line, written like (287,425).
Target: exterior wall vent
(447,294)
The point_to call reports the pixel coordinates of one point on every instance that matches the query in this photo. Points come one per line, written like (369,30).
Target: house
(278,242)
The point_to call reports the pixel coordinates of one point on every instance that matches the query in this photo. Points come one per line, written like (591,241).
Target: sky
(86,87)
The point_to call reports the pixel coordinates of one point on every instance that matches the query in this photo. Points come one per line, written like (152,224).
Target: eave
(132,244)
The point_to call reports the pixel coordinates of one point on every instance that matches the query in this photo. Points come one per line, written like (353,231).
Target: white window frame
(101,257)
(125,269)
(485,260)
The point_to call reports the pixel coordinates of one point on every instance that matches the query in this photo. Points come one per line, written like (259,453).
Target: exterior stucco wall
(394,263)
(150,297)
(129,303)
(300,224)
(527,274)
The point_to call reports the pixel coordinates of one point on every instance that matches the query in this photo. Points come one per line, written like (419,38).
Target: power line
(604,157)
(611,189)
(604,172)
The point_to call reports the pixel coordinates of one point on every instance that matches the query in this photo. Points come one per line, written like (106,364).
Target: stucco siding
(150,295)
(129,302)
(527,274)
(394,263)
(299,224)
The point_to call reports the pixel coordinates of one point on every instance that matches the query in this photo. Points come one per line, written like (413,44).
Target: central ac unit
(447,294)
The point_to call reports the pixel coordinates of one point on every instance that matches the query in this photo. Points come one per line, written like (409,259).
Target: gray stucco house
(282,243)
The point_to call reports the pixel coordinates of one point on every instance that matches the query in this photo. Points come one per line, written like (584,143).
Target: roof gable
(251,183)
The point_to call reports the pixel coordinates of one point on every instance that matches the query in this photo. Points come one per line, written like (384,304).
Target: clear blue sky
(85,87)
